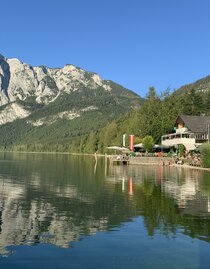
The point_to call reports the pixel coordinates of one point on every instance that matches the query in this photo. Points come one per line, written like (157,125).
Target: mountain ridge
(201,85)
(41,105)
(20,82)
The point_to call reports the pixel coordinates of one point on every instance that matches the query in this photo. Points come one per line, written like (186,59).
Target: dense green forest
(118,113)
(64,134)
(155,117)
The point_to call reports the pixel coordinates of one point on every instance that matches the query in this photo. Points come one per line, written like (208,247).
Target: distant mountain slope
(201,85)
(41,105)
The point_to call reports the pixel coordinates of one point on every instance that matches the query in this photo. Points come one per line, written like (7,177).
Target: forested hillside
(155,118)
(81,113)
(92,133)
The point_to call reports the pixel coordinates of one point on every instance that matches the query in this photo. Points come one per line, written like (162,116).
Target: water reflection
(55,199)
(58,198)
(169,198)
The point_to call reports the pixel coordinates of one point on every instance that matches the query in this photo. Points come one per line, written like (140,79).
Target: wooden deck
(119,160)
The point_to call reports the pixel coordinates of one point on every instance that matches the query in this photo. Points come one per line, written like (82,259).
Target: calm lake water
(61,211)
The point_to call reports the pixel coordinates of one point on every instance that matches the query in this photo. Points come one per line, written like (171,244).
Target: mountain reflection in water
(57,199)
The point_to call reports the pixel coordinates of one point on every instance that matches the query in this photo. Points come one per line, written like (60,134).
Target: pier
(119,160)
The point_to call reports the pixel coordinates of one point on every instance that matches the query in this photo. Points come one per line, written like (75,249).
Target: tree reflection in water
(170,199)
(58,198)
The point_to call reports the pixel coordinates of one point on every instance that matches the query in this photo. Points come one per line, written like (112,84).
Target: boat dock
(119,160)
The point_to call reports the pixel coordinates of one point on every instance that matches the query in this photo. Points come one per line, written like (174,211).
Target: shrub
(205,154)
(181,150)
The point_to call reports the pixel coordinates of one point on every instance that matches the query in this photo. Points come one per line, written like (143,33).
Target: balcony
(186,139)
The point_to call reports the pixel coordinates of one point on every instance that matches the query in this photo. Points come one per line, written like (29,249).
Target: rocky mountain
(20,82)
(68,99)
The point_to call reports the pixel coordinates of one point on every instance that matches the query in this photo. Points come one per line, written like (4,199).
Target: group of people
(196,160)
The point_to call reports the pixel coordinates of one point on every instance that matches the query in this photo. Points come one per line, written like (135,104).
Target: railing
(178,135)
(187,139)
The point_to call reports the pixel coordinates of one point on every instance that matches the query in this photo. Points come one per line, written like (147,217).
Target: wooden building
(190,131)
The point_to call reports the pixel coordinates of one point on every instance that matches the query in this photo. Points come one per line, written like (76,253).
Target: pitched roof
(196,124)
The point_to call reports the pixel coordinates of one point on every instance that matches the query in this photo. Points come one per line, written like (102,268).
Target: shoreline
(184,166)
(158,161)
(133,161)
(190,166)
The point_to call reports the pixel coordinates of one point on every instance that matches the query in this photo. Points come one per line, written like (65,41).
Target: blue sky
(136,43)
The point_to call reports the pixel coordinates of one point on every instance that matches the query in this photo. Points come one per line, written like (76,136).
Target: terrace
(191,131)
(186,139)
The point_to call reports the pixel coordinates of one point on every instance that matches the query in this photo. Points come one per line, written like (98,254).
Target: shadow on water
(57,199)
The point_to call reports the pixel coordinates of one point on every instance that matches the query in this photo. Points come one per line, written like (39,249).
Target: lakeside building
(190,131)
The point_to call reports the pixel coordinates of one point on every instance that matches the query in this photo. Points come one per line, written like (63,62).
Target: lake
(63,211)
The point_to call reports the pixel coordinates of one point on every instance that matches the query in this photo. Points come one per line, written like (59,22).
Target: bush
(181,150)
(205,154)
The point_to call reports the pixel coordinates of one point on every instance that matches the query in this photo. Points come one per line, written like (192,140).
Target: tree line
(96,131)
(155,118)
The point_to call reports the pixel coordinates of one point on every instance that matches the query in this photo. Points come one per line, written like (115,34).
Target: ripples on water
(120,213)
